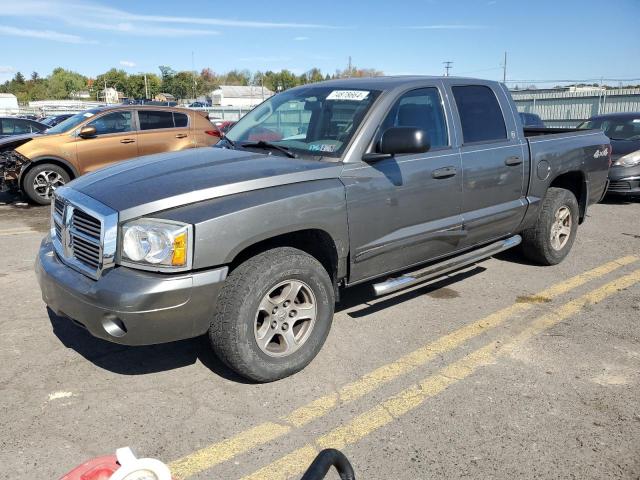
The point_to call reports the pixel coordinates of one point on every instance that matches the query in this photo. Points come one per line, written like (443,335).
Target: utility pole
(504,68)
(447,66)
(193,69)
(349,67)
(146,88)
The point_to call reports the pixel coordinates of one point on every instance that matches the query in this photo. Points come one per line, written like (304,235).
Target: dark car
(54,120)
(623,129)
(531,120)
(17,126)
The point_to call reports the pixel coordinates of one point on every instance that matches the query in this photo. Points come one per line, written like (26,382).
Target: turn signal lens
(179,258)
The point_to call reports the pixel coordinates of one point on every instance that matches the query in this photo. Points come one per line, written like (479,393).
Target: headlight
(156,244)
(629,160)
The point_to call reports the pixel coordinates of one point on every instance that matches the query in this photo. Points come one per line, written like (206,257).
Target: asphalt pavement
(504,370)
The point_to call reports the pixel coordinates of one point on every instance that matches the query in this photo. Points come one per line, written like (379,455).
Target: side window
(116,122)
(180,120)
(420,108)
(7,126)
(21,126)
(153,119)
(480,114)
(35,128)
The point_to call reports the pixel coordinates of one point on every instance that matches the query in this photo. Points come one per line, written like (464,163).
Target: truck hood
(159,182)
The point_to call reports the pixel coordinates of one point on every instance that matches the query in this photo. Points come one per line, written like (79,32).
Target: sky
(544,40)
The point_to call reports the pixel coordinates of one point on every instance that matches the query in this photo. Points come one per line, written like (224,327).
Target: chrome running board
(446,266)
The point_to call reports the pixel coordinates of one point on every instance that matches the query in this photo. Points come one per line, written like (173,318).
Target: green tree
(183,85)
(136,88)
(61,83)
(237,77)
(113,78)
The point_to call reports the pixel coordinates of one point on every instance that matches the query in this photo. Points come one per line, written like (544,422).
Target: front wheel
(549,241)
(273,314)
(42,180)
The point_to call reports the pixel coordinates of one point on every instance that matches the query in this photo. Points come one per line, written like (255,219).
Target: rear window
(480,114)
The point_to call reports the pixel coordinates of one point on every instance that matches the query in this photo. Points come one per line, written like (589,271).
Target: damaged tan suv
(87,141)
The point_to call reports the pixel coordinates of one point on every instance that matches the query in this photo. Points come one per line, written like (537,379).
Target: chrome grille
(86,224)
(80,226)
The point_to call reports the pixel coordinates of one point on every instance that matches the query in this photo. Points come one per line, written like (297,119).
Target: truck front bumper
(128,306)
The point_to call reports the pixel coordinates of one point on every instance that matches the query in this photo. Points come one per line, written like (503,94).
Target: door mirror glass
(402,140)
(87,132)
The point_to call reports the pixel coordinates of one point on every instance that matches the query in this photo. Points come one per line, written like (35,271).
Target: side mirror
(87,132)
(398,140)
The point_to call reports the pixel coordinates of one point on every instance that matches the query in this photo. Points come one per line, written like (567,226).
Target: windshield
(311,120)
(627,128)
(71,122)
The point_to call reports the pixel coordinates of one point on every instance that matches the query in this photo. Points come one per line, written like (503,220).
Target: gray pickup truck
(324,186)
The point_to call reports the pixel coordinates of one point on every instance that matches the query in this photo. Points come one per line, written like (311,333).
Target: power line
(583,80)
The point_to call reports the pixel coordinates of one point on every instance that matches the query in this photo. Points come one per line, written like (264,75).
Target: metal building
(564,108)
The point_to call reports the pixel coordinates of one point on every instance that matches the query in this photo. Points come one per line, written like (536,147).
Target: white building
(8,104)
(239,96)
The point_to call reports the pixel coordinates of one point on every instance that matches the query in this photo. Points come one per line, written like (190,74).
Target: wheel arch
(576,182)
(314,241)
(67,166)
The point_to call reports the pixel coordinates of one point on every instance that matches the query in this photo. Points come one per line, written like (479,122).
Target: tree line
(66,84)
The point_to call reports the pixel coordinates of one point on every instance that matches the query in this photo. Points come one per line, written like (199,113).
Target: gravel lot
(484,374)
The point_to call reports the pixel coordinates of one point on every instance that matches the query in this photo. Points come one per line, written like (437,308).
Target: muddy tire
(273,314)
(40,182)
(549,241)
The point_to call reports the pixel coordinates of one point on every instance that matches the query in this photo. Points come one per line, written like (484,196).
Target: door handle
(513,161)
(127,140)
(445,172)
(181,135)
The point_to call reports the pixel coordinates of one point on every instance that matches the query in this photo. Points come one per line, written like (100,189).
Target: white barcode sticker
(355,95)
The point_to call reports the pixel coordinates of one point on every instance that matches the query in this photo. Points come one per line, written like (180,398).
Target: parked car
(531,120)
(199,105)
(623,129)
(94,139)
(10,126)
(223,125)
(54,120)
(252,241)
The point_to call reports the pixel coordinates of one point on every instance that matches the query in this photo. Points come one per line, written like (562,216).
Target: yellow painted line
(398,405)
(219,452)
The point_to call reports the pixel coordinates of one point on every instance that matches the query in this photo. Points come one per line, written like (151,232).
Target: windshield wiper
(267,145)
(229,141)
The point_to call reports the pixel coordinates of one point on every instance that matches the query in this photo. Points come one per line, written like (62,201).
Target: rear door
(493,163)
(163,131)
(115,140)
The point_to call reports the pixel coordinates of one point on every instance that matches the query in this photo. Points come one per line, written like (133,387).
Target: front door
(405,210)
(115,140)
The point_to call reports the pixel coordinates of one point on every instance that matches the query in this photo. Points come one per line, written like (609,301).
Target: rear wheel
(42,180)
(549,241)
(273,314)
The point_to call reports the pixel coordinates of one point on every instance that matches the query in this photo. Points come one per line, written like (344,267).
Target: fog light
(114,326)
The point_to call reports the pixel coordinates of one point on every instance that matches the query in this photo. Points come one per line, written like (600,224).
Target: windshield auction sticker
(354,95)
